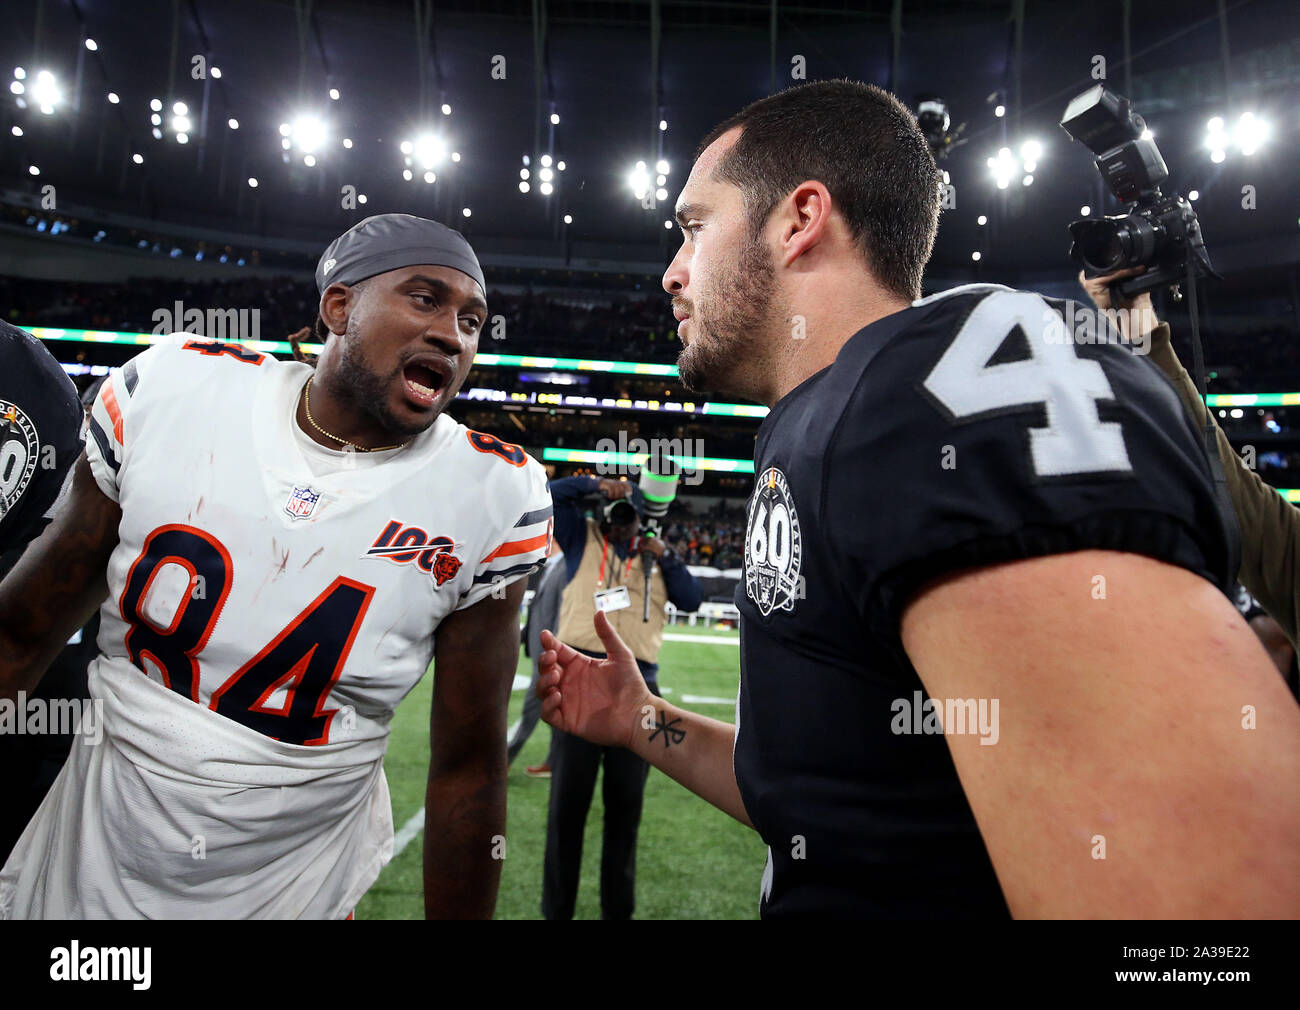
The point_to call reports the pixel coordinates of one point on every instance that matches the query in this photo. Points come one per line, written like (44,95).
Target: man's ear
(806,219)
(335,304)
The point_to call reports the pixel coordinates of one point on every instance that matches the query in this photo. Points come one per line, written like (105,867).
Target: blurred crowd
(716,537)
(638,328)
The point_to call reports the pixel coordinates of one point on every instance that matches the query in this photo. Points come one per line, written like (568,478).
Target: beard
(731,338)
(356,383)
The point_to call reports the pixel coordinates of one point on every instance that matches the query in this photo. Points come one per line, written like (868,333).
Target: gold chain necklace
(306,402)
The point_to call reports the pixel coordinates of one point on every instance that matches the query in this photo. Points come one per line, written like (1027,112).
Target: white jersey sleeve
(123,403)
(522,542)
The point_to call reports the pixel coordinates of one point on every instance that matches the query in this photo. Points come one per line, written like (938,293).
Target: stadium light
(455,156)
(1000,111)
(334,94)
(361,198)
(308,133)
(428,149)
(663,125)
(1250,133)
(668,224)
(155,105)
(639,180)
(46,92)
(216,73)
(560,165)
(1004,167)
(546,161)
(546,188)
(17,131)
(180,109)
(982,220)
(155,120)
(1194,195)
(347,143)
(465,211)
(138,159)
(555,119)
(975,256)
(33,170)
(252,183)
(19,74)
(524,187)
(1085,210)
(407,174)
(568,219)
(182,138)
(446,109)
(113,98)
(309,160)
(92,45)
(430,178)
(233,123)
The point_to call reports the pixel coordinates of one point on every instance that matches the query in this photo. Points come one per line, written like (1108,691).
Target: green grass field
(693,861)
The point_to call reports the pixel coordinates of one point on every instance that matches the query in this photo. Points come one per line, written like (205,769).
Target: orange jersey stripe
(517,547)
(114,411)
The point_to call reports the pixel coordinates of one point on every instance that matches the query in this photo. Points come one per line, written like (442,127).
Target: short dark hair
(864,146)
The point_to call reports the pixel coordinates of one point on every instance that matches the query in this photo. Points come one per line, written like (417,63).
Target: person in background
(1269,524)
(604,567)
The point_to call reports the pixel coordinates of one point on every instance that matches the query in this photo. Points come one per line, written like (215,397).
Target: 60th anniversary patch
(20,446)
(773,546)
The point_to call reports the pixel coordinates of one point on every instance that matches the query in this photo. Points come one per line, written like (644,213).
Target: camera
(1158,232)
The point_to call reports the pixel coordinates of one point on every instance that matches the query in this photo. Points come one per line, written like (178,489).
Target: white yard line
(670,636)
(409,830)
(703,699)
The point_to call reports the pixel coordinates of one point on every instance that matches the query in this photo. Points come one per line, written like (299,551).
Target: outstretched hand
(600,700)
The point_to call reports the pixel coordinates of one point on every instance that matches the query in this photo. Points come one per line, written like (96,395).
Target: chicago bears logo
(773,545)
(404,544)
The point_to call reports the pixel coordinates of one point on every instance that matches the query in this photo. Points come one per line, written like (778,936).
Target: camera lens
(1102,248)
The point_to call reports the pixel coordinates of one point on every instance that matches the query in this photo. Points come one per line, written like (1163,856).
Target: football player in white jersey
(277,554)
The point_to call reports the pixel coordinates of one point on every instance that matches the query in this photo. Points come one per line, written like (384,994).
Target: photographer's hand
(1135,317)
(615,489)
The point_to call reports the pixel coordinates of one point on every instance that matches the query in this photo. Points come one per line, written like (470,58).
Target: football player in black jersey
(988,662)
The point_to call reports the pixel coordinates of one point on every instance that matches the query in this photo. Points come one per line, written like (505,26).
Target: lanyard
(600,581)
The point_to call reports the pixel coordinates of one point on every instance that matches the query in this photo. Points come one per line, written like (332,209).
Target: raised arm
(1269,524)
(475,656)
(57,584)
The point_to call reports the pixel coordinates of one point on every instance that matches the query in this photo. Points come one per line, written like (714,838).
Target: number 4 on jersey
(1075,440)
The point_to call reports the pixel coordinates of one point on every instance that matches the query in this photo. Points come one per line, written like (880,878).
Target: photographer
(1270,525)
(605,566)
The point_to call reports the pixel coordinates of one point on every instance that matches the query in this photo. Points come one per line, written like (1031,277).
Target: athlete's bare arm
(475,657)
(1146,754)
(57,584)
(607,702)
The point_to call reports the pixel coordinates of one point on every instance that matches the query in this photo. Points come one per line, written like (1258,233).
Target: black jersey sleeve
(996,428)
(40,434)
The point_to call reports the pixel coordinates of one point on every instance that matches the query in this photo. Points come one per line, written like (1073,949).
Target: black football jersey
(972,428)
(40,433)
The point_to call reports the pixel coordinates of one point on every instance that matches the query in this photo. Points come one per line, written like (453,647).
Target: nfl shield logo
(301,502)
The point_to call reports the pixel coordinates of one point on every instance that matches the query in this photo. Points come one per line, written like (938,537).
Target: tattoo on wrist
(672,733)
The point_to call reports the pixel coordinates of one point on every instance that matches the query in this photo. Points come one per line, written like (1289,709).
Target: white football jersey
(270,603)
